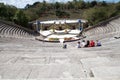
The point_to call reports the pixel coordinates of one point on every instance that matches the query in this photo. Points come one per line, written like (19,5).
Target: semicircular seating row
(13,31)
(111,29)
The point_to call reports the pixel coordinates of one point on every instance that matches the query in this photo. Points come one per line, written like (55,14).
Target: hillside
(93,11)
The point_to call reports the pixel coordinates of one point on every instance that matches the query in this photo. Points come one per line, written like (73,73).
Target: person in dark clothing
(64,45)
(87,43)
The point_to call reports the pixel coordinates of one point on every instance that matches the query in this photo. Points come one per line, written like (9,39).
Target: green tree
(88,5)
(75,2)
(95,15)
(20,18)
(62,14)
(57,5)
(118,6)
(7,12)
(42,10)
(104,3)
(81,4)
(27,6)
(30,14)
(93,3)
(3,10)
(11,10)
(70,5)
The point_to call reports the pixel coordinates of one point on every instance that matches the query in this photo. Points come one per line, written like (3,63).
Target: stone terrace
(28,59)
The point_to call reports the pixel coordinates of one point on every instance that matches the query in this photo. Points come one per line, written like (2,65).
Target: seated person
(78,44)
(87,44)
(64,45)
(92,43)
(98,43)
(83,44)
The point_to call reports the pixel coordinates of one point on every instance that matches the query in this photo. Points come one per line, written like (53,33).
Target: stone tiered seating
(108,59)
(12,30)
(110,29)
(30,59)
(117,27)
(26,59)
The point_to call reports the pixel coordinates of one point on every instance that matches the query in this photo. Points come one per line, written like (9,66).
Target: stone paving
(24,59)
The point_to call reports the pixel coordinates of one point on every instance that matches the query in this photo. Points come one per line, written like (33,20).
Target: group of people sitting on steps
(84,43)
(88,43)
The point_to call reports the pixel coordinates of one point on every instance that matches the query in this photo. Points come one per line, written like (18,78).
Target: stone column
(37,26)
(80,25)
(41,27)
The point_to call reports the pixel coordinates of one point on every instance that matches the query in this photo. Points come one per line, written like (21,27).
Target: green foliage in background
(93,11)
(20,18)
(7,12)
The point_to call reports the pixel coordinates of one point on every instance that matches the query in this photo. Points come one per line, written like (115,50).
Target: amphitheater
(24,58)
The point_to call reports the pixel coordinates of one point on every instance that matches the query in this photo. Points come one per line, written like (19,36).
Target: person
(87,43)
(78,44)
(92,43)
(82,44)
(64,45)
(98,43)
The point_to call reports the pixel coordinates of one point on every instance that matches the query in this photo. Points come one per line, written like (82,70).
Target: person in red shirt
(92,43)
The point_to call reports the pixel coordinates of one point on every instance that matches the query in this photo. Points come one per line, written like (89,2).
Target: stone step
(41,71)
(90,63)
(106,72)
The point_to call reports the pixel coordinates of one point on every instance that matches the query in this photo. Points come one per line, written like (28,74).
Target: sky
(22,3)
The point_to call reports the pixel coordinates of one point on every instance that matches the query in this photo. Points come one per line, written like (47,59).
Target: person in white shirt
(78,44)
(83,44)
(98,43)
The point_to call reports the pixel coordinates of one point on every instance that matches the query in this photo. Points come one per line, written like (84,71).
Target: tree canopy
(20,18)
